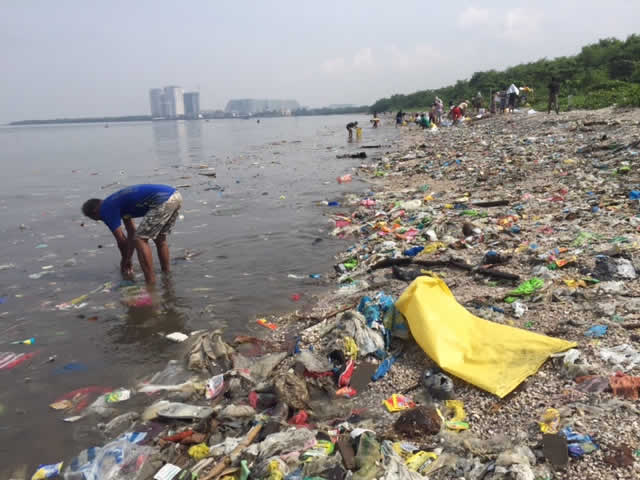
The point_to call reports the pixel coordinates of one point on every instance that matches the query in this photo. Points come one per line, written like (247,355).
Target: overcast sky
(67,58)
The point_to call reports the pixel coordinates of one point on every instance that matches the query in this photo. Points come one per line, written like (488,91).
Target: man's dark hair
(90,206)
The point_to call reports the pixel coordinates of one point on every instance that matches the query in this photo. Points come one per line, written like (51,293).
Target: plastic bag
(368,340)
(286,441)
(313,363)
(394,467)
(494,357)
(624,357)
(118,460)
(368,458)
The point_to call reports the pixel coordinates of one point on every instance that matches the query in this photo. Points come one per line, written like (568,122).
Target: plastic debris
(177,337)
(550,421)
(397,402)
(457,422)
(214,387)
(497,367)
(200,451)
(578,444)
(9,360)
(167,472)
(47,471)
(265,323)
(525,289)
(624,357)
(597,331)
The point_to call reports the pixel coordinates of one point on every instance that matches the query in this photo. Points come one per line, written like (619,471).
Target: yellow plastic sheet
(491,356)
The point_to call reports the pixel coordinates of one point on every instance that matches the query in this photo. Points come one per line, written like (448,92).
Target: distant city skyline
(173,102)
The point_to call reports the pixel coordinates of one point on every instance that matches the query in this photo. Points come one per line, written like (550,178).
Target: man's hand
(126,268)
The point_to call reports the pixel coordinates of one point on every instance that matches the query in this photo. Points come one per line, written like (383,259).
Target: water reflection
(144,325)
(177,142)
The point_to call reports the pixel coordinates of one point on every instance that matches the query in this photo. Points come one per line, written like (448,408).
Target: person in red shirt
(456,114)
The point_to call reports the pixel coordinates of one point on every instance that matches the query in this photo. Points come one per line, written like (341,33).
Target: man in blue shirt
(157,204)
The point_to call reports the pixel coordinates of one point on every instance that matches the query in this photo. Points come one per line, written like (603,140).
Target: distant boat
(106,125)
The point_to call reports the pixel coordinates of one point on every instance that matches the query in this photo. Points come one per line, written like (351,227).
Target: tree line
(602,74)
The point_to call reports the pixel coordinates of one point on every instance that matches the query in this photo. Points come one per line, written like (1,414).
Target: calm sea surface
(242,235)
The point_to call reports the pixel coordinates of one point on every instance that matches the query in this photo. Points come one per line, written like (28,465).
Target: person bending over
(158,205)
(350,127)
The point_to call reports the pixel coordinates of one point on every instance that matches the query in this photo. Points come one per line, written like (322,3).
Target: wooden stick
(226,461)
(492,203)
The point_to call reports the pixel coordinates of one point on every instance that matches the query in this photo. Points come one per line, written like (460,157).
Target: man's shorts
(161,219)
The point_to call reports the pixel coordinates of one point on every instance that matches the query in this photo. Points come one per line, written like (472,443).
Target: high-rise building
(192,104)
(173,102)
(156,101)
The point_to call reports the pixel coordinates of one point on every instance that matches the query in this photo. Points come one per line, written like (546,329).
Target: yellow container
(358,132)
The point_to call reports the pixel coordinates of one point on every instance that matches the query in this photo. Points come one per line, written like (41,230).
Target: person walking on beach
(158,205)
(554,89)
(512,93)
(399,118)
(350,127)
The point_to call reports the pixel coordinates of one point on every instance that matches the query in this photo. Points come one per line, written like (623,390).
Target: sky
(79,58)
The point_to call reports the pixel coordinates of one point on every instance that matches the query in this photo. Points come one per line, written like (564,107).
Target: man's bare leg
(146,259)
(163,253)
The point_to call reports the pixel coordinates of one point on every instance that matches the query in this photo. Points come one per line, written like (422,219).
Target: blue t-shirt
(134,201)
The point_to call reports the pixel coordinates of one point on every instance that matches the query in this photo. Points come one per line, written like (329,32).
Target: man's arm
(125,245)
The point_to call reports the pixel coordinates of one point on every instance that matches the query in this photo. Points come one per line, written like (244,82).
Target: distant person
(425,122)
(258,121)
(439,109)
(456,114)
(399,118)
(477,102)
(463,107)
(375,122)
(503,102)
(433,114)
(158,205)
(350,127)
(554,89)
(512,93)
(495,102)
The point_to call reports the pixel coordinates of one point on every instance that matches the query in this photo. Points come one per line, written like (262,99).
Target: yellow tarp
(491,356)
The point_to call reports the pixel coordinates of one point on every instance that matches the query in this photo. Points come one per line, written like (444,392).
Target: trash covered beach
(481,325)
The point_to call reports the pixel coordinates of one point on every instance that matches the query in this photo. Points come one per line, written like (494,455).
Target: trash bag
(494,357)
(117,460)
(368,339)
(173,374)
(292,390)
(394,466)
(312,362)
(291,440)
(368,458)
(262,367)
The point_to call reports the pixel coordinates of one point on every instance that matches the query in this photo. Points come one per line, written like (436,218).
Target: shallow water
(232,253)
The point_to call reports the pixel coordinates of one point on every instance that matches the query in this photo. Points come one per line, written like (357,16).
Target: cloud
(418,57)
(363,58)
(520,24)
(473,17)
(333,65)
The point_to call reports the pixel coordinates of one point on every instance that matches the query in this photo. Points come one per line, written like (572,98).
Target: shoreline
(452,162)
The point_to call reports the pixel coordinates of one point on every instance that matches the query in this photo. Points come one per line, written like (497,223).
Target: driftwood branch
(451,262)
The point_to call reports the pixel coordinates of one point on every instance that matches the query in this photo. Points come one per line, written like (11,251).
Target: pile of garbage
(484,326)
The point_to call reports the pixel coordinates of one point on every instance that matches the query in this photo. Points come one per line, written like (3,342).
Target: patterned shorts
(161,219)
